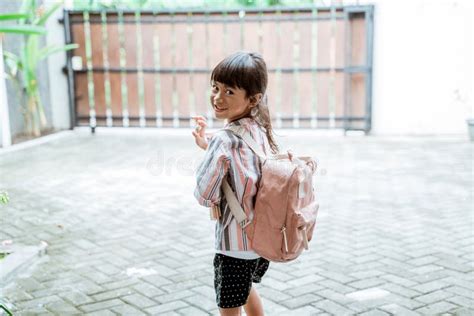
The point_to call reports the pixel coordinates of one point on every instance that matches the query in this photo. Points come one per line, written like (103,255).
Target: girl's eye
(229,92)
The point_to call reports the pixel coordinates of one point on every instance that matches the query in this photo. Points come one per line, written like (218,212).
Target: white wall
(422,66)
(58,80)
(5,134)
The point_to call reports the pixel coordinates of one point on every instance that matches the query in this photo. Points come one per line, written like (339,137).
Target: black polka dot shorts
(233,279)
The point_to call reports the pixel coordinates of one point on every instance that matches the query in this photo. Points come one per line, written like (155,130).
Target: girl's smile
(229,103)
(219,108)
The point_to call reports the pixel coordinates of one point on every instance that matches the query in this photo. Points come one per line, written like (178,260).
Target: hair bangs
(237,70)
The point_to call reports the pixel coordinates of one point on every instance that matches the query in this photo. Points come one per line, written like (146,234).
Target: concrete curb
(20,258)
(35,142)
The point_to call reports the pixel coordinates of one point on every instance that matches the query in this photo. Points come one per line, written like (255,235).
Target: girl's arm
(211,172)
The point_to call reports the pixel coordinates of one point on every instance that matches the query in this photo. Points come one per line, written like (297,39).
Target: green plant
(6,310)
(20,29)
(31,24)
(115,4)
(174,4)
(3,255)
(4,199)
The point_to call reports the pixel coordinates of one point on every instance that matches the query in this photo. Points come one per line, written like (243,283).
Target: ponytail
(261,114)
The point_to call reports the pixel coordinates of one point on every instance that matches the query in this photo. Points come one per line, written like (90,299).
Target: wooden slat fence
(152,68)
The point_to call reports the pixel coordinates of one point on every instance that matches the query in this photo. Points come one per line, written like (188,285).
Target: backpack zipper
(305,239)
(285,241)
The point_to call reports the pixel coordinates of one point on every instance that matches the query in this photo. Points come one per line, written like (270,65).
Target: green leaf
(4,197)
(29,7)
(32,51)
(11,56)
(49,50)
(13,62)
(13,16)
(26,73)
(31,56)
(22,29)
(42,20)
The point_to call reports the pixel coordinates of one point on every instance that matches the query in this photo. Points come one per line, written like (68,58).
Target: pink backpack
(285,207)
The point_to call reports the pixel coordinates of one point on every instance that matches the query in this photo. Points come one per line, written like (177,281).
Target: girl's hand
(200,132)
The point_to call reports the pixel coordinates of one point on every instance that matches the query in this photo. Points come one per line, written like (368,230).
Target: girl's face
(228,102)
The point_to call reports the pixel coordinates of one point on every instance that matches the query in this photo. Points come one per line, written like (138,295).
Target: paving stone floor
(126,237)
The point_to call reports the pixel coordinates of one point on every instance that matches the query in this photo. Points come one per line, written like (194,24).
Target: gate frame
(347,10)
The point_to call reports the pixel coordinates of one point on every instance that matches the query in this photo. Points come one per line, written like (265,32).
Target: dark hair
(248,71)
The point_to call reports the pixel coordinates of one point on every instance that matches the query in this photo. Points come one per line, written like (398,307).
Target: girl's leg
(230,311)
(254,305)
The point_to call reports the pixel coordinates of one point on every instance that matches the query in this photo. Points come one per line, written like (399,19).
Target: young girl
(239,84)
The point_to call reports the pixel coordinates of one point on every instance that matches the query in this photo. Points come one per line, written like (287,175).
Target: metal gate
(145,68)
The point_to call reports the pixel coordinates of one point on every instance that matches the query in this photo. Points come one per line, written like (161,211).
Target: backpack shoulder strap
(234,204)
(230,196)
(242,133)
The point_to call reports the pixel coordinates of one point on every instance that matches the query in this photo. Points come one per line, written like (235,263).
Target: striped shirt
(228,156)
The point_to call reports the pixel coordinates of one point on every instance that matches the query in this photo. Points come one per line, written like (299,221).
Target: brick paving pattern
(126,237)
